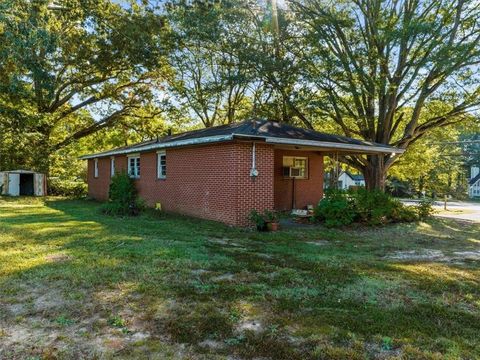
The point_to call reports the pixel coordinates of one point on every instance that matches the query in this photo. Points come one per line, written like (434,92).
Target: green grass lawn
(78,284)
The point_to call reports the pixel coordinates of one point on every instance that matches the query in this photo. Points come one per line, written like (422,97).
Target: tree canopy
(70,70)
(100,73)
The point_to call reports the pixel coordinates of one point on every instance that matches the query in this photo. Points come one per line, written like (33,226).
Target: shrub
(258,219)
(335,209)
(424,208)
(403,213)
(262,220)
(67,187)
(122,196)
(340,208)
(374,207)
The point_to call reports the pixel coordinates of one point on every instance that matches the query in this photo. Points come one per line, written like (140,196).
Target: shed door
(3,183)
(14,184)
(38,184)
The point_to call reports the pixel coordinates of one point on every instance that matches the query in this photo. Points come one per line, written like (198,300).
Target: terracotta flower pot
(273,226)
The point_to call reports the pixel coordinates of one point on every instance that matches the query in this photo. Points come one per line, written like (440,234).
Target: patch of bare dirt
(58,258)
(467,255)
(457,257)
(253,325)
(319,242)
(46,323)
(419,255)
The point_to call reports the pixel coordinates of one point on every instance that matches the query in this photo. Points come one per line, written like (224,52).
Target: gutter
(155,146)
(339,146)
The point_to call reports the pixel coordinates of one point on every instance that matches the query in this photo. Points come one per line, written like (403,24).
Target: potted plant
(258,220)
(271,220)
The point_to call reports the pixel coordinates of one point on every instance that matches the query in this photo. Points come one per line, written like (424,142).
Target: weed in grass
(64,321)
(117,321)
(387,343)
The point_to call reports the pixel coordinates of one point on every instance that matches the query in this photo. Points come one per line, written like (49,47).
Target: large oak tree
(376,64)
(71,68)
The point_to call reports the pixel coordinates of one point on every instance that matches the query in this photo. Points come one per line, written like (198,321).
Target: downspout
(253,170)
(293,193)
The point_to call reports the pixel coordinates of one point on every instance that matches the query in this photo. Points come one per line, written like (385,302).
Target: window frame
(160,166)
(294,159)
(95,168)
(137,166)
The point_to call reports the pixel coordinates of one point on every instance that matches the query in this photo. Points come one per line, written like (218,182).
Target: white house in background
(474,182)
(346,180)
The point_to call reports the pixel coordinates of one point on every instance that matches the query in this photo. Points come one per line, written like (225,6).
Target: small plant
(122,196)
(235,341)
(117,321)
(259,221)
(387,343)
(424,208)
(64,321)
(268,220)
(270,216)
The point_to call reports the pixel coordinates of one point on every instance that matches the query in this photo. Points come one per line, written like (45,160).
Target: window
(112,166)
(161,165)
(134,166)
(295,167)
(95,170)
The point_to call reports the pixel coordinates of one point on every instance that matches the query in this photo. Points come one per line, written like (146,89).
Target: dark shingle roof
(260,129)
(474,180)
(355,177)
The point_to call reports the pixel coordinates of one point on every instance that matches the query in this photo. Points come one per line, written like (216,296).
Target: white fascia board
(332,145)
(155,146)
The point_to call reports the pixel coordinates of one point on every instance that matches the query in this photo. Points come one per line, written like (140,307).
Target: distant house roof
(474,180)
(261,130)
(355,177)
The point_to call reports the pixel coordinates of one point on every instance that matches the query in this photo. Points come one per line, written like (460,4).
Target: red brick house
(222,173)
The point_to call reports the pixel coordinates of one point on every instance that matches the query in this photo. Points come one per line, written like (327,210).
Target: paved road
(461,210)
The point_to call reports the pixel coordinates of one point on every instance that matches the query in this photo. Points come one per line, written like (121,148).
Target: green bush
(424,208)
(122,196)
(66,187)
(340,208)
(335,209)
(374,207)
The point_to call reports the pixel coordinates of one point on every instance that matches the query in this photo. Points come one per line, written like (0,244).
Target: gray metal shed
(23,183)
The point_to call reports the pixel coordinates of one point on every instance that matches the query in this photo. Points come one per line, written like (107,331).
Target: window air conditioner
(295,172)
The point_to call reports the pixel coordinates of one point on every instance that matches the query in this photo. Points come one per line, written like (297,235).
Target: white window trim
(112,166)
(95,168)
(159,165)
(133,156)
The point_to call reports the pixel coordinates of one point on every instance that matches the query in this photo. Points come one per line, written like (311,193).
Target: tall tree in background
(376,65)
(210,80)
(70,69)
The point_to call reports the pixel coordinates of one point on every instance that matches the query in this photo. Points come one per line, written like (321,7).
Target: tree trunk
(375,173)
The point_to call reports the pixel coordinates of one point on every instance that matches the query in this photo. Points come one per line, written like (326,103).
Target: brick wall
(212,182)
(253,193)
(98,187)
(307,191)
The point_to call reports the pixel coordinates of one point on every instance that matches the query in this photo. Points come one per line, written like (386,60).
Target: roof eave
(156,146)
(366,149)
